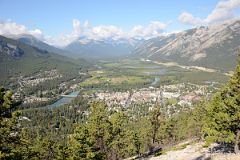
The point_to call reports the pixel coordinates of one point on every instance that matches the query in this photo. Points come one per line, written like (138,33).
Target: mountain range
(84,48)
(212,46)
(106,48)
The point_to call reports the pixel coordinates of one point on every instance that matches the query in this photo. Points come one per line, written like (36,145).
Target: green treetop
(223,113)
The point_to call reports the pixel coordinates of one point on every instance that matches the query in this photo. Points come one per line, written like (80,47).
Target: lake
(63,100)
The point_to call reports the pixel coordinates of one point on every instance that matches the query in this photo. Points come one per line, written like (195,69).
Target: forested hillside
(84,130)
(19,59)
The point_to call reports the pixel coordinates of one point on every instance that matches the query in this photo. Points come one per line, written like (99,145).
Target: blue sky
(55,17)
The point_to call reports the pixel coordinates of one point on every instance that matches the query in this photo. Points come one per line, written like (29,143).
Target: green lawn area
(113,80)
(132,73)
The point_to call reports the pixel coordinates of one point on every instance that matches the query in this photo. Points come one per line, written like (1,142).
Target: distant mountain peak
(102,48)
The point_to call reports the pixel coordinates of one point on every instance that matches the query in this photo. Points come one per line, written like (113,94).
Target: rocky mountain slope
(207,46)
(19,59)
(32,41)
(10,50)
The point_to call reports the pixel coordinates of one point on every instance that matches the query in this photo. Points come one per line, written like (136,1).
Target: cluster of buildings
(183,94)
(32,99)
(39,78)
(113,97)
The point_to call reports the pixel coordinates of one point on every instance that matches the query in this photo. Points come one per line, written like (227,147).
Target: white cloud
(85,32)
(155,28)
(103,32)
(12,29)
(65,39)
(188,18)
(36,33)
(224,10)
(156,25)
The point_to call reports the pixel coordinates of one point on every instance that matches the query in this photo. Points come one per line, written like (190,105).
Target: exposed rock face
(9,49)
(213,46)
(41,46)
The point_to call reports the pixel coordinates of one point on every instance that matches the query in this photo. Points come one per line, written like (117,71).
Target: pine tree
(84,146)
(155,118)
(10,140)
(98,125)
(91,139)
(223,113)
(118,132)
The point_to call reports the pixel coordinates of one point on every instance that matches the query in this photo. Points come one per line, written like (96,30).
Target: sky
(59,22)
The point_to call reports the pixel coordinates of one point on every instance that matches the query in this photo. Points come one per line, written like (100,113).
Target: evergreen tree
(155,118)
(91,139)
(223,113)
(118,132)
(98,125)
(46,149)
(84,146)
(10,140)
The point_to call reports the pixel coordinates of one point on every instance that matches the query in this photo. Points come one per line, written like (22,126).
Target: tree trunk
(236,146)
(154,136)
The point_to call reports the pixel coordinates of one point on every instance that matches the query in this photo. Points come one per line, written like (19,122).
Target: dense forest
(91,130)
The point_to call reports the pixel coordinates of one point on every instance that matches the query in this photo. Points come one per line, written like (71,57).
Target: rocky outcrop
(10,49)
(197,151)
